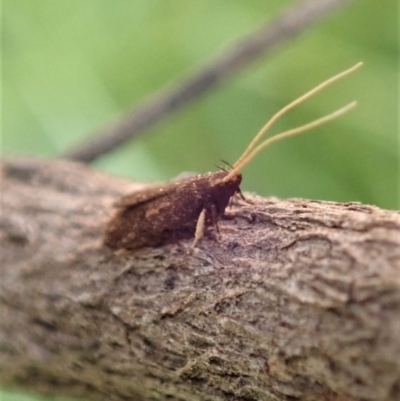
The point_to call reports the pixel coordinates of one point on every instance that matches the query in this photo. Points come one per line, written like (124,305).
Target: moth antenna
(226,163)
(285,134)
(285,109)
(222,168)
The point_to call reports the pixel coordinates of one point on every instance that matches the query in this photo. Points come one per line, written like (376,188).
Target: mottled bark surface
(298,300)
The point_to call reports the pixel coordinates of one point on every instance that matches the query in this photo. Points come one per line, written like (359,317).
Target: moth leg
(239,192)
(199,228)
(214,217)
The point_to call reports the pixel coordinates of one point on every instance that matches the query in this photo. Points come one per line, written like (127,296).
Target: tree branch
(298,300)
(291,22)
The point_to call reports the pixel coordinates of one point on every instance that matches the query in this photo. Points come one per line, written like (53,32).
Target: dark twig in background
(133,122)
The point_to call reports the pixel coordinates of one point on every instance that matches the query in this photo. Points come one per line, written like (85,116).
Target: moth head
(218,179)
(223,190)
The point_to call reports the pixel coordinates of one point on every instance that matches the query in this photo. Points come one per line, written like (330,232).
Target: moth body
(170,212)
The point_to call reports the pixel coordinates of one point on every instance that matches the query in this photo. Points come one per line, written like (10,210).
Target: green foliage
(70,67)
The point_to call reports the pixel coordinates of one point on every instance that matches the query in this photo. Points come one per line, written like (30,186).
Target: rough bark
(297,300)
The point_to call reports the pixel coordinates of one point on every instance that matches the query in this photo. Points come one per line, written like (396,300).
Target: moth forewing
(145,195)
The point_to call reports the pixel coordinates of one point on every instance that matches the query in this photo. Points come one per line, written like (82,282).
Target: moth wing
(137,198)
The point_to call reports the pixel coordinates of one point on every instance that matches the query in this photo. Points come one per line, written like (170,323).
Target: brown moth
(182,209)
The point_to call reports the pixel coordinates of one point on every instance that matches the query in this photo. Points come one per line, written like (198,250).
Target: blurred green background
(71,66)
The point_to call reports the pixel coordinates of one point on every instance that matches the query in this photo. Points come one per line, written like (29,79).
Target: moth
(184,209)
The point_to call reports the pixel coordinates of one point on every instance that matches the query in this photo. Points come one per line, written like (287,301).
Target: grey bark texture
(297,300)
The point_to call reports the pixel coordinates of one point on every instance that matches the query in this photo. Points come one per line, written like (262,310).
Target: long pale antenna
(287,108)
(291,132)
